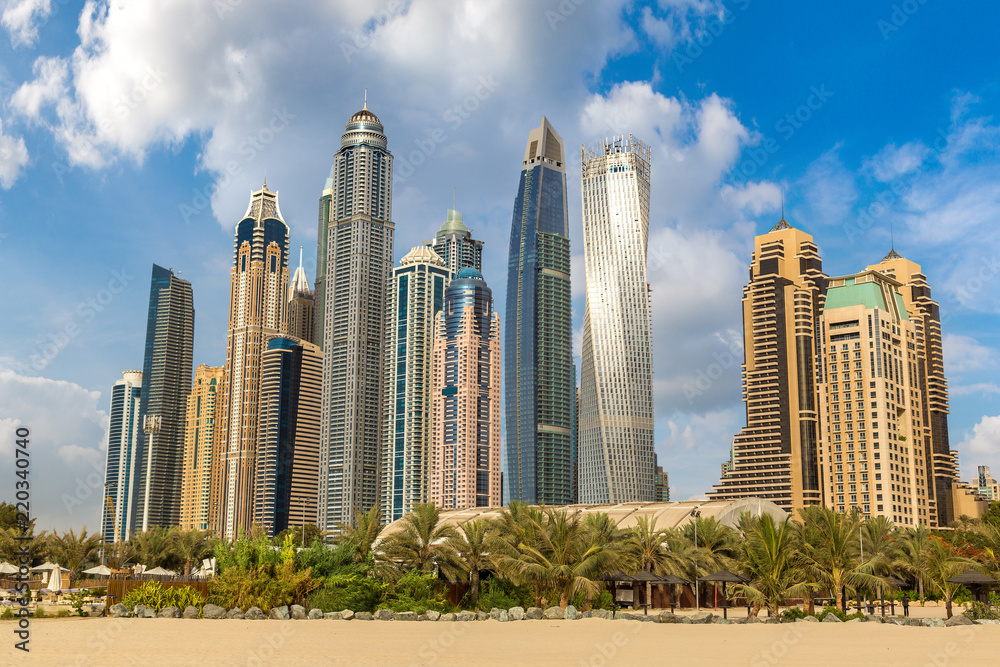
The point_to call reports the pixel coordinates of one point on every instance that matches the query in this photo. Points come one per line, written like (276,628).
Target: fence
(119,584)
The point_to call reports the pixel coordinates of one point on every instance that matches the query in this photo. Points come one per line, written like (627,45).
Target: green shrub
(156,596)
(416,591)
(503,594)
(7,614)
(603,601)
(266,585)
(839,613)
(63,613)
(40,613)
(326,561)
(793,614)
(977,610)
(353,592)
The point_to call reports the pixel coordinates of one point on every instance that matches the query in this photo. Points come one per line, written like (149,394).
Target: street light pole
(697,591)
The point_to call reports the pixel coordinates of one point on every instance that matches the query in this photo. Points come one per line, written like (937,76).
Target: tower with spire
(455,245)
(301,306)
(354,267)
(258,310)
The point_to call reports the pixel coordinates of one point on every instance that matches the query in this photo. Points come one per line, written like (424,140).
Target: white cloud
(22,18)
(679,21)
(895,161)
(49,85)
(964,353)
(976,389)
(829,191)
(13,157)
(984,441)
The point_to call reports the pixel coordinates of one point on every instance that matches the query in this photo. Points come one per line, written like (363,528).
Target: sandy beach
(592,642)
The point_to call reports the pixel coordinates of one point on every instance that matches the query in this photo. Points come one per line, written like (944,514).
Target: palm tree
(474,543)
(520,525)
(74,551)
(943,564)
(833,549)
(990,535)
(772,562)
(154,547)
(190,546)
(422,543)
(363,531)
(911,556)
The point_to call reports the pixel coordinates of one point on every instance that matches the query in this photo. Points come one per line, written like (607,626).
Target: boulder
(236,613)
(466,615)
(120,611)
(504,616)
(495,614)
(333,615)
(255,614)
(810,619)
(347,614)
(872,618)
(516,613)
(297,612)
(758,619)
(363,616)
(279,613)
(406,616)
(142,611)
(585,614)
(169,612)
(570,613)
(628,616)
(554,614)
(894,620)
(191,612)
(958,619)
(667,617)
(723,621)
(985,621)
(601,613)
(703,617)
(854,620)
(830,618)
(482,616)
(213,611)
(315,614)
(384,615)
(932,622)
(432,615)
(449,617)
(534,613)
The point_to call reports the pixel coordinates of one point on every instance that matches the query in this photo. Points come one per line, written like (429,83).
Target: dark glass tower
(166,375)
(538,354)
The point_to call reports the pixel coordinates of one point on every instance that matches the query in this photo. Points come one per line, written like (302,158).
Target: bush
(326,561)
(63,613)
(793,614)
(40,613)
(265,585)
(156,596)
(416,591)
(839,613)
(7,614)
(348,592)
(603,601)
(977,610)
(503,594)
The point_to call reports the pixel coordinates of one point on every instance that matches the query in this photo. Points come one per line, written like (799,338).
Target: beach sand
(593,642)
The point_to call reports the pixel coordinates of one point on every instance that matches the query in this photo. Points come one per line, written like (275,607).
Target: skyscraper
(166,374)
(301,306)
(538,349)
(776,455)
(355,246)
(201,481)
(258,310)
(616,457)
(415,295)
(873,434)
(455,245)
(286,490)
(931,381)
(465,466)
(121,473)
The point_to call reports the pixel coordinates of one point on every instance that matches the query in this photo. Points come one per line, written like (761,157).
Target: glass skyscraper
(455,245)
(166,374)
(538,353)
(355,266)
(617,461)
(124,427)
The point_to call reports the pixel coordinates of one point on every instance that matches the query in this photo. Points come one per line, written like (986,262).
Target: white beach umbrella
(161,572)
(99,571)
(7,568)
(44,566)
(55,580)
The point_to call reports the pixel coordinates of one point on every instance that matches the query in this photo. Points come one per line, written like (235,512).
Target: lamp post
(697,592)
(114,515)
(305,501)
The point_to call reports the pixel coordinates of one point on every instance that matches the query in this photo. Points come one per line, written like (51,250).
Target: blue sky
(133,133)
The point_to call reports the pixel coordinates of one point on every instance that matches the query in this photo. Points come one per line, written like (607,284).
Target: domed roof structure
(469,273)
(421,254)
(453,225)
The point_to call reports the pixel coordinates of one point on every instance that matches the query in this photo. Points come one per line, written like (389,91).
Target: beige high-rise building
(301,306)
(201,483)
(258,310)
(875,454)
(986,485)
(775,456)
(465,395)
(933,410)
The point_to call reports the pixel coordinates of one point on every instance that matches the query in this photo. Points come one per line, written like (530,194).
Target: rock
(363,616)
(534,613)
(810,619)
(958,619)
(255,614)
(406,616)
(236,613)
(571,613)
(315,614)
(298,612)
(601,613)
(449,617)
(279,613)
(504,616)
(142,611)
(482,616)
(667,617)
(466,615)
(893,620)
(516,613)
(932,622)
(758,619)
(703,617)
(213,611)
(854,620)
(554,614)
(830,618)
(495,614)
(872,618)
(191,612)
(333,615)
(433,615)
(723,621)
(985,621)
(384,615)
(585,614)
(347,614)
(169,612)
(913,623)
(628,616)
(119,611)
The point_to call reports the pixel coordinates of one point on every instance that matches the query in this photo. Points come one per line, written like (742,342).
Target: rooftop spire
(366,100)
(782,224)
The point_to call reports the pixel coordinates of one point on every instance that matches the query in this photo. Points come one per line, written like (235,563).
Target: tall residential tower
(301,306)
(616,453)
(355,245)
(455,245)
(120,477)
(201,482)
(538,348)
